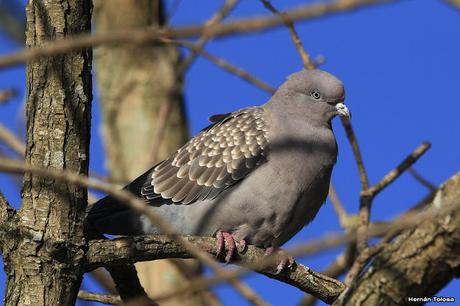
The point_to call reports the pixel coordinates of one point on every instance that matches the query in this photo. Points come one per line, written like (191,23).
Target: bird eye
(315,94)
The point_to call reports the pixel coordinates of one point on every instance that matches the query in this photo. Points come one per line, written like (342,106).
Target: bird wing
(218,157)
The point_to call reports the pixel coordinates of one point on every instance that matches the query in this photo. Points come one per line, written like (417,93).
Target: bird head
(317,92)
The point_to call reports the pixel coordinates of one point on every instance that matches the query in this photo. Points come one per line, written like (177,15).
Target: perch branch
(134,203)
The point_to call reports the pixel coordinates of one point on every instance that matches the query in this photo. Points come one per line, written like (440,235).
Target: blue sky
(400,66)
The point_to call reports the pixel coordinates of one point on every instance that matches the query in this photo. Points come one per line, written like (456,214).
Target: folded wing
(218,157)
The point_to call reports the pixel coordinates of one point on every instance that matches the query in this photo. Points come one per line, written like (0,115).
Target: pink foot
(285,260)
(224,238)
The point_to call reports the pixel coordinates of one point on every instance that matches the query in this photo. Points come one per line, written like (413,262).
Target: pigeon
(254,176)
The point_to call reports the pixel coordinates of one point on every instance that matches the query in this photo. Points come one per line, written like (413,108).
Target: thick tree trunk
(43,263)
(134,83)
(420,261)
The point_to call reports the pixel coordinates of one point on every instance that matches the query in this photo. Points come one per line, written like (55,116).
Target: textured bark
(419,263)
(123,251)
(134,82)
(43,261)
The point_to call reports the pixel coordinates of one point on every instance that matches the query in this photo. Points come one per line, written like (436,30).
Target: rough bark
(420,261)
(141,248)
(43,261)
(134,82)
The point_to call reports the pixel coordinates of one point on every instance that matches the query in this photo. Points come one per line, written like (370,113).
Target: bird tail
(110,216)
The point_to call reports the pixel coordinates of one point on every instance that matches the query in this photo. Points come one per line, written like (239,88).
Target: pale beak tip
(343,111)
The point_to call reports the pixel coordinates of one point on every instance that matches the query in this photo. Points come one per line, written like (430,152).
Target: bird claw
(285,260)
(227,239)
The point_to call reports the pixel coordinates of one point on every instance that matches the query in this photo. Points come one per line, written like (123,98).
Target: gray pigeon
(257,175)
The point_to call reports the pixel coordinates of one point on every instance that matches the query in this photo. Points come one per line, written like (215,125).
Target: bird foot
(227,239)
(285,260)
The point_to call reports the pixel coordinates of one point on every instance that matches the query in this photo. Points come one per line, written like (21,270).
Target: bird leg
(224,238)
(285,260)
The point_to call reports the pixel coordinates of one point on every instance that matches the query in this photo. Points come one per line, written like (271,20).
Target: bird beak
(343,111)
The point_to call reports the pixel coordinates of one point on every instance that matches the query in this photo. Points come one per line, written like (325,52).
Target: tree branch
(11,140)
(237,26)
(292,277)
(307,63)
(143,248)
(109,299)
(7,94)
(419,262)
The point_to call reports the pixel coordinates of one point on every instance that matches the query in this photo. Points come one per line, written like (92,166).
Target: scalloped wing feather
(218,157)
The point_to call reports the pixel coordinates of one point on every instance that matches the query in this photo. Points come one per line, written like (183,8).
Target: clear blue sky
(400,67)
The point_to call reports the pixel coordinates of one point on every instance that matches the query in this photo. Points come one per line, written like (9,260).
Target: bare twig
(165,108)
(396,172)
(10,139)
(7,94)
(100,298)
(343,216)
(423,181)
(294,36)
(356,152)
(228,6)
(361,261)
(134,203)
(363,206)
(237,26)
(131,249)
(366,198)
(234,70)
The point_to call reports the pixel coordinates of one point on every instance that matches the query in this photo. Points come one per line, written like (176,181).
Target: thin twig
(134,203)
(16,144)
(391,176)
(139,36)
(10,139)
(366,198)
(294,36)
(197,48)
(344,219)
(7,94)
(109,299)
(228,6)
(364,204)
(423,181)
(361,261)
(243,74)
(131,249)
(356,152)
(329,242)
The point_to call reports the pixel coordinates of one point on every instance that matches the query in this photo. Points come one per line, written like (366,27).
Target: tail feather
(110,216)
